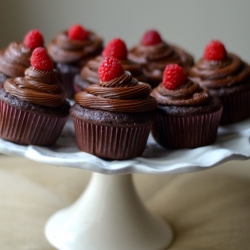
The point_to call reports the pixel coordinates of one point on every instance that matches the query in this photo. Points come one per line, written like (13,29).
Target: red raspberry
(116,48)
(151,37)
(215,50)
(77,32)
(109,69)
(173,76)
(40,59)
(33,39)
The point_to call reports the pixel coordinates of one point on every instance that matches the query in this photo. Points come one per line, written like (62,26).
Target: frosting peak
(154,59)
(65,50)
(125,80)
(187,94)
(217,74)
(38,87)
(14,59)
(122,94)
(90,71)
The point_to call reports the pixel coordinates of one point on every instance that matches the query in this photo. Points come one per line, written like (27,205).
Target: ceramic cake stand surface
(109,215)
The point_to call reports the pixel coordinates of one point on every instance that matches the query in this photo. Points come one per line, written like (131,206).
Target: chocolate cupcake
(113,119)
(115,48)
(228,78)
(15,58)
(187,116)
(154,54)
(71,50)
(33,109)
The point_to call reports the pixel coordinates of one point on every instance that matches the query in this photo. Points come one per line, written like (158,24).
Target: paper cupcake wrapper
(109,141)
(66,80)
(235,107)
(186,132)
(24,127)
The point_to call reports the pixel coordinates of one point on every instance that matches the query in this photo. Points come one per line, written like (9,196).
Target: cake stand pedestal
(109,216)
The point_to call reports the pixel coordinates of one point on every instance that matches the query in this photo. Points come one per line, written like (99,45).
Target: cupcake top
(154,54)
(219,68)
(115,48)
(15,58)
(176,89)
(40,84)
(89,72)
(74,45)
(117,91)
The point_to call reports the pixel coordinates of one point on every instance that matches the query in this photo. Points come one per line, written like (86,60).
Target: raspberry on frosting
(215,50)
(151,37)
(40,59)
(78,32)
(173,76)
(109,69)
(33,39)
(116,48)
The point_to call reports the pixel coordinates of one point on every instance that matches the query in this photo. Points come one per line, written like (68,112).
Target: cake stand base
(109,216)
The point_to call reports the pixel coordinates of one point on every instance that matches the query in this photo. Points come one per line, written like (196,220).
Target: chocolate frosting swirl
(90,71)
(155,58)
(216,74)
(188,94)
(37,87)
(122,94)
(64,50)
(14,59)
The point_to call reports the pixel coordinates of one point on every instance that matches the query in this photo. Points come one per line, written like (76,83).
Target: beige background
(190,24)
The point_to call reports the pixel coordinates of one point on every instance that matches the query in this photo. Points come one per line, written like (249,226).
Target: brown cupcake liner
(186,132)
(235,107)
(67,81)
(27,128)
(109,141)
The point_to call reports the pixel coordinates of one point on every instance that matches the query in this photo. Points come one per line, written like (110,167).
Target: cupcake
(187,116)
(115,48)
(227,77)
(154,54)
(33,108)
(113,118)
(15,58)
(70,50)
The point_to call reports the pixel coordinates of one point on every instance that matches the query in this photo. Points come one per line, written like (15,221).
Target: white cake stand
(109,215)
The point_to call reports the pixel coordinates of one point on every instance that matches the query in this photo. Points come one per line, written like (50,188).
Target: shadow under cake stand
(109,215)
